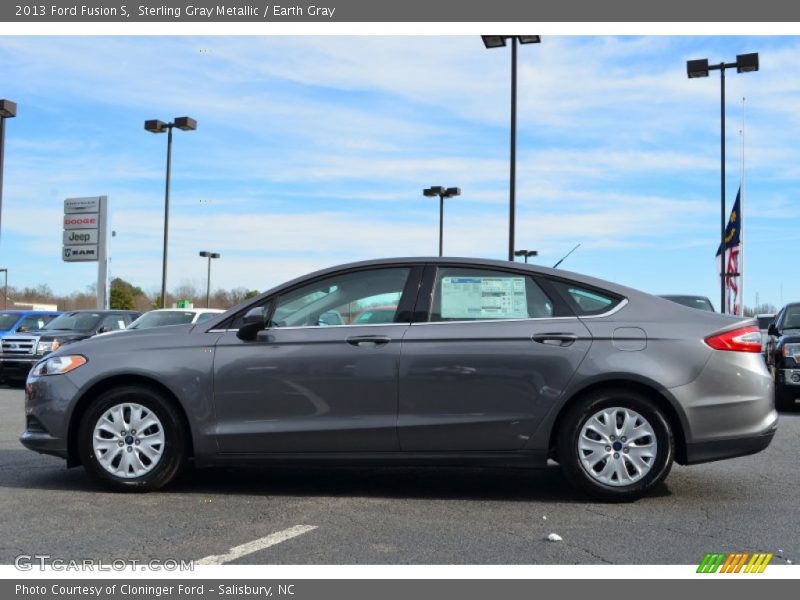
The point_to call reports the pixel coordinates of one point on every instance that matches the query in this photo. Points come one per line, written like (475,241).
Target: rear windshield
(698,302)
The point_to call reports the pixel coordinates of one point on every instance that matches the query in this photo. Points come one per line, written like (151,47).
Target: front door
(322,377)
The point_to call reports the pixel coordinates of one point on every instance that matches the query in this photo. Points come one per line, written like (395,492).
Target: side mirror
(772,329)
(104,330)
(249,330)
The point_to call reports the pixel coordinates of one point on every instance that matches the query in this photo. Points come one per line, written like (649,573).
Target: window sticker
(484,298)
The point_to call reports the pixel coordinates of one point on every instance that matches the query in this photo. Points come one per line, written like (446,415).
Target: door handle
(555,339)
(368,341)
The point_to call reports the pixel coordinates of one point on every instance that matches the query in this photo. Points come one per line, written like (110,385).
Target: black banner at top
(489,11)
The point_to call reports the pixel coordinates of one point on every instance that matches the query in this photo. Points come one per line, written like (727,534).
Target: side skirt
(520,459)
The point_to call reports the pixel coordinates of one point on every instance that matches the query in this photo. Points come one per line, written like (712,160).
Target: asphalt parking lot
(396,516)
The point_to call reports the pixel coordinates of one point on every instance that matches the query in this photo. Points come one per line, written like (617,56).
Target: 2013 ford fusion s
(483,363)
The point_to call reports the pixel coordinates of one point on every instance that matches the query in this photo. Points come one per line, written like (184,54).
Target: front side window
(465,294)
(342,299)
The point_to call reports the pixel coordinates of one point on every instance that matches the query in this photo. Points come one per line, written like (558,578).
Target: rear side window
(586,301)
(464,294)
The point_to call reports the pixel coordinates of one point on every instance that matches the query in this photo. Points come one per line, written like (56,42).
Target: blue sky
(313,151)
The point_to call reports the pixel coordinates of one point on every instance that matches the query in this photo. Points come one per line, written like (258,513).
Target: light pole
(8,110)
(526,254)
(499,41)
(156,126)
(209,256)
(745,63)
(442,192)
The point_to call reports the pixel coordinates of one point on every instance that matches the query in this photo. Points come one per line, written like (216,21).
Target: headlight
(792,350)
(58,365)
(47,347)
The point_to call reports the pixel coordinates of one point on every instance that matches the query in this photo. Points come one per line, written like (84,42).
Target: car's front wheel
(132,439)
(615,445)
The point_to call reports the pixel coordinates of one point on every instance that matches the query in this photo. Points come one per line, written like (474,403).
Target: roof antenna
(555,266)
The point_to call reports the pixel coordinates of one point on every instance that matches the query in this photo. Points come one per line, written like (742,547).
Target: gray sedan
(484,363)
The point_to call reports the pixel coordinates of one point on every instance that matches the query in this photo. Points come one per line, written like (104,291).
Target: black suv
(783,356)
(21,351)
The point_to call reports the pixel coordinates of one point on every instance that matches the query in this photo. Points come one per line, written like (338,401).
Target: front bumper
(17,368)
(49,402)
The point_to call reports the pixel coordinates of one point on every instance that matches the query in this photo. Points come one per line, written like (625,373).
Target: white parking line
(255,545)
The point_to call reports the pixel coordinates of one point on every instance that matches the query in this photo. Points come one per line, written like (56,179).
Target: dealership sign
(80,253)
(87,221)
(74,237)
(73,206)
(84,237)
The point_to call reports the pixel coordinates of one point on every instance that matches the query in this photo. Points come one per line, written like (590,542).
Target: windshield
(75,321)
(161,319)
(7,320)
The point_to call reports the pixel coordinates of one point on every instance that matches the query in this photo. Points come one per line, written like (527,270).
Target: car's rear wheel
(615,445)
(132,439)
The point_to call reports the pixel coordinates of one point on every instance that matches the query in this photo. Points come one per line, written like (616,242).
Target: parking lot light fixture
(156,126)
(8,110)
(527,254)
(499,41)
(209,256)
(745,63)
(442,192)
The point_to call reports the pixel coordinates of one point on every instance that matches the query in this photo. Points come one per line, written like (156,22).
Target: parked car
(162,317)
(764,320)
(783,356)
(699,302)
(20,321)
(19,352)
(484,363)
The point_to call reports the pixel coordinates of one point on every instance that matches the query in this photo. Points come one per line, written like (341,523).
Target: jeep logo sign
(74,237)
(80,253)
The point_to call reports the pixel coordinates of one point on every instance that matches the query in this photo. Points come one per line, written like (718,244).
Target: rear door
(493,354)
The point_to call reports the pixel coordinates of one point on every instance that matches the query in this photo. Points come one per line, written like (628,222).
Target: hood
(134,338)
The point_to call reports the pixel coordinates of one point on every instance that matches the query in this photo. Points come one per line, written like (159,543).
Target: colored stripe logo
(734,562)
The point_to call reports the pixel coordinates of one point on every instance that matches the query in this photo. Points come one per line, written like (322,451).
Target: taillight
(744,339)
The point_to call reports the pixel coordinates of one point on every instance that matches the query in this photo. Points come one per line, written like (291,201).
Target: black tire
(570,430)
(174,452)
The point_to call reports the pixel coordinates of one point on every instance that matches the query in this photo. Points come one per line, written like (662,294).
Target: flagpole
(741,222)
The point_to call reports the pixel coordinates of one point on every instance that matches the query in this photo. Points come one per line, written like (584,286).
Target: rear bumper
(701,452)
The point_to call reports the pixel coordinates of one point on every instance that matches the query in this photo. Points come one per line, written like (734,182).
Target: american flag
(733,246)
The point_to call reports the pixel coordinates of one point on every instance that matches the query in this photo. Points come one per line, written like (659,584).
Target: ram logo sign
(734,562)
